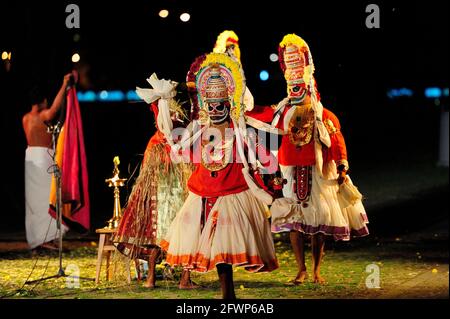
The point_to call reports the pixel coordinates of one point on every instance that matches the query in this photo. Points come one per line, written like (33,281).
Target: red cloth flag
(71,159)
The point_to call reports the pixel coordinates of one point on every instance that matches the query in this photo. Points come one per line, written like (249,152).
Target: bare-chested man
(41,228)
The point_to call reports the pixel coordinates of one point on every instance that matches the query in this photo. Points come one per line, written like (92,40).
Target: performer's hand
(67,79)
(342,177)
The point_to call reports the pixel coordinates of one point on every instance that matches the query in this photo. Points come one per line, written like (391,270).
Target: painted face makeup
(218,111)
(297,91)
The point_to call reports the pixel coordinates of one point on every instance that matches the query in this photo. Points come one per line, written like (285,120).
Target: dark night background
(121,44)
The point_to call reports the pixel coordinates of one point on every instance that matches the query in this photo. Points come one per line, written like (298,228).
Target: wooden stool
(106,247)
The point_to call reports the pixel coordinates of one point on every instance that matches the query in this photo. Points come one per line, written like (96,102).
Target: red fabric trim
(202,264)
(232,40)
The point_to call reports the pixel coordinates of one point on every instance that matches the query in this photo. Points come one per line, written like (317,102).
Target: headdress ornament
(217,77)
(295,59)
(226,39)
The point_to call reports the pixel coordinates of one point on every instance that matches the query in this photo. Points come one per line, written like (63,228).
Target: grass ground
(406,270)
(405,246)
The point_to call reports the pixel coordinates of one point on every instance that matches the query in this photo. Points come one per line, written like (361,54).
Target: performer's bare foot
(301,277)
(318,279)
(318,248)
(186,282)
(151,282)
(298,246)
(151,279)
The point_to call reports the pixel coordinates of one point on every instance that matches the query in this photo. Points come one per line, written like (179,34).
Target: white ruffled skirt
(237,232)
(328,210)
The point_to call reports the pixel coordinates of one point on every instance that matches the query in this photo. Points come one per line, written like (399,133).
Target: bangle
(342,165)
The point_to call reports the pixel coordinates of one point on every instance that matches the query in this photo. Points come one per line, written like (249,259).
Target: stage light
(185,17)
(115,96)
(445,92)
(103,95)
(111,96)
(274,57)
(393,93)
(264,75)
(88,96)
(132,96)
(433,93)
(164,13)
(5,55)
(75,58)
(108,96)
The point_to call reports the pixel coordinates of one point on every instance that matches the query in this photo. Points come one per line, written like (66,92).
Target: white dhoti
(40,226)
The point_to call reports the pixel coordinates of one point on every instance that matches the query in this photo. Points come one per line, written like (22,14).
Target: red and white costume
(312,148)
(224,218)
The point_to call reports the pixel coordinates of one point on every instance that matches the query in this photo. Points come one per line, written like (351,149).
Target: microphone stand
(55,130)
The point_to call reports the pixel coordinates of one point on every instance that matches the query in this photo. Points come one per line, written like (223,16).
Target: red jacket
(228,180)
(289,154)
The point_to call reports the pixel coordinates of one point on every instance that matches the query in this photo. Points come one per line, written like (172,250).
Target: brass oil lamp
(115,182)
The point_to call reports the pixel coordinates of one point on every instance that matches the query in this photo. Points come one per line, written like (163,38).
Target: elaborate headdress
(217,77)
(228,42)
(298,68)
(296,61)
(225,41)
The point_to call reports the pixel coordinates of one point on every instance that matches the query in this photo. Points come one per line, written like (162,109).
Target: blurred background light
(103,95)
(88,96)
(132,96)
(164,13)
(115,96)
(433,93)
(75,58)
(393,93)
(445,92)
(108,96)
(185,17)
(264,75)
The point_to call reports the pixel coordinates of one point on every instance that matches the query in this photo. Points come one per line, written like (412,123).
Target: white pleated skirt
(237,232)
(324,211)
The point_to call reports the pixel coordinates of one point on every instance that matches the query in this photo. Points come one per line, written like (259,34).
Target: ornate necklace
(301,125)
(216,158)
